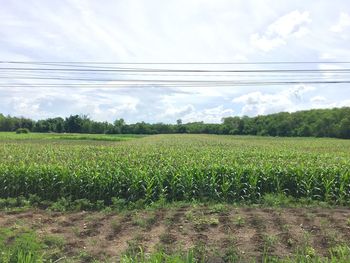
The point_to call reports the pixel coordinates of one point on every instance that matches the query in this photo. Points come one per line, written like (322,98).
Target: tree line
(316,123)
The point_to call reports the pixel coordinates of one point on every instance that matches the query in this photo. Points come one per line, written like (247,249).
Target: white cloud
(342,24)
(298,91)
(320,102)
(318,99)
(210,115)
(266,43)
(343,103)
(25,107)
(54,102)
(258,103)
(172,111)
(288,26)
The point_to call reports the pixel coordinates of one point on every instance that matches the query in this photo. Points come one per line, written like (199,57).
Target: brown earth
(214,233)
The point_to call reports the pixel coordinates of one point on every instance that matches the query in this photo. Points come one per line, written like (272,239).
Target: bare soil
(248,232)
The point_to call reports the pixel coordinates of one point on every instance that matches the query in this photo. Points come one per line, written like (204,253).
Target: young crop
(175,167)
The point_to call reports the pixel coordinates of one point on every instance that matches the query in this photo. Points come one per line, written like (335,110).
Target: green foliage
(317,123)
(66,204)
(218,208)
(158,257)
(166,168)
(19,247)
(13,202)
(22,130)
(279,200)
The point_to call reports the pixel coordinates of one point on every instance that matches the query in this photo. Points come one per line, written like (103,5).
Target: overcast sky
(173,31)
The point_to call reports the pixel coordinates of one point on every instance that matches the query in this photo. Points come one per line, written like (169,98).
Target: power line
(104,65)
(177,63)
(184,84)
(160,77)
(177,70)
(123,80)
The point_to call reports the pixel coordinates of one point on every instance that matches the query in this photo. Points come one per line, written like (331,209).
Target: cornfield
(177,167)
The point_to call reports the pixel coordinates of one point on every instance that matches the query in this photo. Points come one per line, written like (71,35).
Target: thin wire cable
(176,85)
(177,70)
(71,71)
(177,63)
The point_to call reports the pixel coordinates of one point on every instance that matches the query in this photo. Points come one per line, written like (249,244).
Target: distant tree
(7,124)
(42,126)
(60,127)
(304,131)
(181,129)
(319,122)
(119,125)
(235,125)
(119,122)
(344,128)
(74,124)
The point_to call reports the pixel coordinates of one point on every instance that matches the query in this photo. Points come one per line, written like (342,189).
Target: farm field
(175,168)
(196,198)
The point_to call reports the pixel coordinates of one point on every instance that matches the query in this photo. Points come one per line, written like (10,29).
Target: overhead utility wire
(181,84)
(176,63)
(175,70)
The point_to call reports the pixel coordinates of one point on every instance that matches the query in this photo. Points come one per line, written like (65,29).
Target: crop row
(178,167)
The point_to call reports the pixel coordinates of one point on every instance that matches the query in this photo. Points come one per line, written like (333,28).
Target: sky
(173,31)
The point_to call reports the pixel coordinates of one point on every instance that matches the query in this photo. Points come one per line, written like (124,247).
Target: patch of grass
(53,246)
(269,242)
(310,252)
(290,242)
(340,252)
(16,202)
(189,215)
(20,245)
(277,200)
(231,253)
(203,222)
(143,221)
(199,252)
(53,241)
(160,256)
(218,208)
(285,228)
(84,256)
(239,221)
(134,249)
(348,222)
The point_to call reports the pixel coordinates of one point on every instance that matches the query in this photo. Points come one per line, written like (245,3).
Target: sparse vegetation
(241,235)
